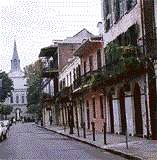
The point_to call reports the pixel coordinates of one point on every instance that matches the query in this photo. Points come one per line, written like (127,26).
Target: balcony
(47,99)
(49,58)
(122,64)
(65,93)
(90,79)
(49,72)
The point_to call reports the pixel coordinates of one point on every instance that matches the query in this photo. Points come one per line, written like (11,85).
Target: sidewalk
(139,148)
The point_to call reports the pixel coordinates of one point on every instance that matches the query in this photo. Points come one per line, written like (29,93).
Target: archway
(122,111)
(111,112)
(138,111)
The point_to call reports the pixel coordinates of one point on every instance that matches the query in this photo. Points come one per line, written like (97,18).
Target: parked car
(3,131)
(6,123)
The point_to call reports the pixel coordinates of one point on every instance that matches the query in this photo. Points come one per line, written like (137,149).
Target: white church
(18,99)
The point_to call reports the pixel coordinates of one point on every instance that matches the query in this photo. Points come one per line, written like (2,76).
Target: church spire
(15,62)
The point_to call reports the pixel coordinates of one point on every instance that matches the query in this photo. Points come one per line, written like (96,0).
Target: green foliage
(94,79)
(113,53)
(34,79)
(121,58)
(7,86)
(33,108)
(5,109)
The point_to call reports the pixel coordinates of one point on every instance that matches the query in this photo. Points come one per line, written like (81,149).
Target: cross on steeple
(15,61)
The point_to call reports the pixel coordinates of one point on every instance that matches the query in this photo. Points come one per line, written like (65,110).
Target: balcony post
(105,117)
(93,130)
(71,118)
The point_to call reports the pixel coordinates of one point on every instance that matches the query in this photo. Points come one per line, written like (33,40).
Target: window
(99,59)
(61,85)
(11,99)
(78,72)
(74,75)
(17,99)
(91,63)
(101,107)
(106,8)
(117,9)
(67,80)
(70,78)
(130,4)
(121,7)
(93,103)
(23,99)
(84,65)
(63,82)
(107,11)
(107,25)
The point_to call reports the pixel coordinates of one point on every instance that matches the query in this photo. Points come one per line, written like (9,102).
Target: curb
(122,154)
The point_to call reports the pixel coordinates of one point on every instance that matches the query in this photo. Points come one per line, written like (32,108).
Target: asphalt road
(27,141)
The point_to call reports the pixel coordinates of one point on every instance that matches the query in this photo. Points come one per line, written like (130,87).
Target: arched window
(23,99)
(11,99)
(17,99)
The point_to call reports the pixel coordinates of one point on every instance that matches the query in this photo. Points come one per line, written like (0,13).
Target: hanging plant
(113,53)
(131,63)
(129,50)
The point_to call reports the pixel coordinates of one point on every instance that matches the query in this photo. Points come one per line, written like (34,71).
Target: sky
(35,23)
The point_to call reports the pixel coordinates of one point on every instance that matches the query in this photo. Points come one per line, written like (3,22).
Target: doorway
(111,113)
(122,112)
(138,111)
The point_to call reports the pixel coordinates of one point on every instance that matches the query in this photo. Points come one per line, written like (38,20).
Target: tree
(5,110)
(33,75)
(7,86)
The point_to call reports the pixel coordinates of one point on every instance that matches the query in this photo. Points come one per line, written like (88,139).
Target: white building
(18,100)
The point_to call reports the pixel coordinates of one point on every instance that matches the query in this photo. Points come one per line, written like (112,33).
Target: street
(27,141)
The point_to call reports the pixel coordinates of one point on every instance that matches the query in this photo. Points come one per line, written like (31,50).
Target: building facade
(130,98)
(114,86)
(91,100)
(64,52)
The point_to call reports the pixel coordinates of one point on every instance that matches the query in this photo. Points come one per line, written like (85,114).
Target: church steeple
(15,62)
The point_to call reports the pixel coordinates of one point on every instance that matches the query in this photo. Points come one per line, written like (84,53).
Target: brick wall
(98,120)
(65,52)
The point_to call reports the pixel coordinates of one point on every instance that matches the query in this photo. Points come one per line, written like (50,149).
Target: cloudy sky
(35,23)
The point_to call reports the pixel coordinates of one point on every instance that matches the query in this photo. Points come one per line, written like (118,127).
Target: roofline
(45,48)
(76,53)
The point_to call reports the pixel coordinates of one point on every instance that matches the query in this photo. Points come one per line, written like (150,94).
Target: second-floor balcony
(49,71)
(122,63)
(47,98)
(88,79)
(49,58)
(65,93)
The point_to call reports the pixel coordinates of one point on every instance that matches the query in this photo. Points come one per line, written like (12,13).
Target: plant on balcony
(121,59)
(96,79)
(113,53)
(129,50)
